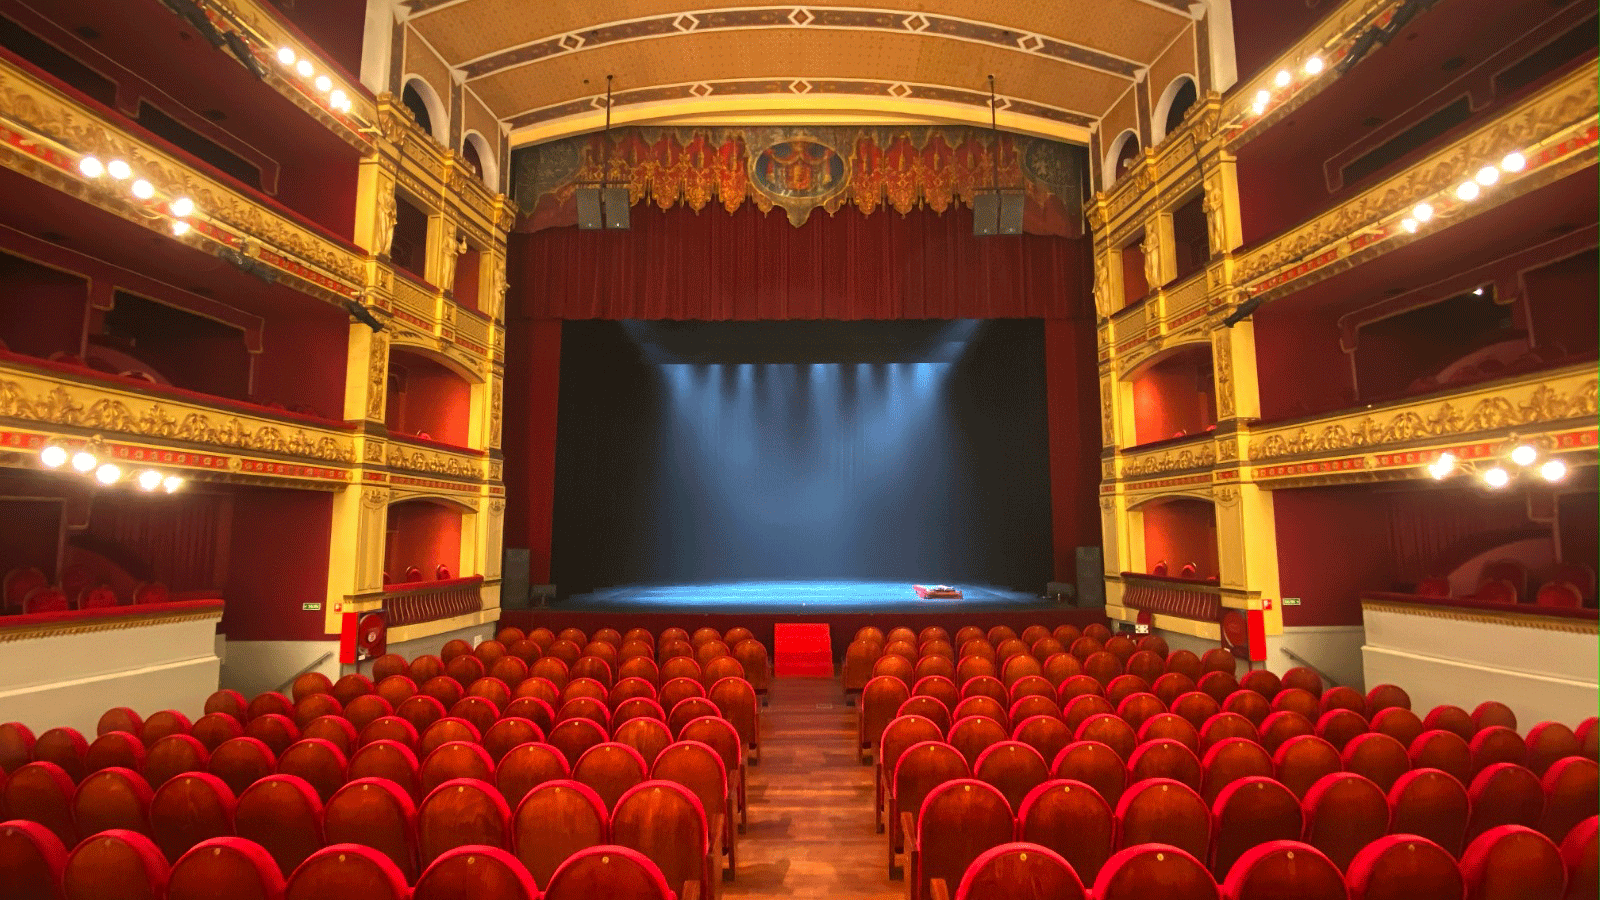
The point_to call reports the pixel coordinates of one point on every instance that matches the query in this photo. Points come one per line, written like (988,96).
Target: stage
(845,605)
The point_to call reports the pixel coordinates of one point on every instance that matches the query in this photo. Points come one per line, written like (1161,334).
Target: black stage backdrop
(801,450)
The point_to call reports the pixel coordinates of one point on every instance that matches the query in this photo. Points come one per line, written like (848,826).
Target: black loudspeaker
(514,578)
(996,212)
(603,208)
(1091,577)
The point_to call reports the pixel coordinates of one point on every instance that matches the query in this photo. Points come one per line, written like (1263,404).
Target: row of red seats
(1510,863)
(28,590)
(118,865)
(1508,581)
(290,813)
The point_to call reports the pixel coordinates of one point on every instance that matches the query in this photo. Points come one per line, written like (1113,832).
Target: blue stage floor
(796,596)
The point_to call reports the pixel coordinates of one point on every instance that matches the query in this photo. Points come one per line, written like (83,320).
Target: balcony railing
(1164,595)
(428,601)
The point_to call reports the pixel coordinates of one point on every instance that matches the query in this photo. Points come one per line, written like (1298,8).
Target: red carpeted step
(802,649)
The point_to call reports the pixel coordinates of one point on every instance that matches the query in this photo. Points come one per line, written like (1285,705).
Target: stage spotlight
(363,315)
(1514,162)
(142,189)
(1524,454)
(1422,212)
(1283,78)
(303,68)
(181,207)
(249,264)
(246,57)
(180,228)
(286,56)
(1497,477)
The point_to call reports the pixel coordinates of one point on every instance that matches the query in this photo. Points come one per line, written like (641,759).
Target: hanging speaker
(996,212)
(603,208)
(614,205)
(589,215)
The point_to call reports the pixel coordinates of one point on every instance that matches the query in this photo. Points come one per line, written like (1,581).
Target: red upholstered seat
(115,863)
(921,768)
(1250,811)
(1548,742)
(113,799)
(610,769)
(1094,764)
(1229,761)
(41,792)
(1432,804)
(1020,871)
(1492,712)
(1165,759)
(46,599)
(189,809)
(452,761)
(554,821)
(1401,724)
(375,813)
(1196,706)
(1581,855)
(1343,813)
(1569,796)
(1444,750)
(213,730)
(1303,761)
(227,867)
(475,873)
(665,822)
(65,747)
(1072,819)
(647,735)
(283,814)
(316,761)
(1284,870)
(1339,726)
(1044,733)
(528,766)
(608,871)
(32,859)
(1154,870)
(1404,867)
(1248,704)
(347,870)
(459,813)
(1163,811)
(958,821)
(1512,863)
(1279,727)
(1377,757)
(118,718)
(1225,725)
(174,755)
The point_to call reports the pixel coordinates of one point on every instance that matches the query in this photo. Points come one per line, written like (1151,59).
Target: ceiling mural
(802,169)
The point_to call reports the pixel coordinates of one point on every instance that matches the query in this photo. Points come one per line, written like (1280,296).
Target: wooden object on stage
(937,592)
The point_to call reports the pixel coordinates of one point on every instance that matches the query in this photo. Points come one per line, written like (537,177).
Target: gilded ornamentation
(57,406)
(436,463)
(455,244)
(496,403)
(1172,461)
(1222,366)
(373,452)
(1217,234)
(1433,610)
(377,375)
(1227,450)
(375,498)
(1102,285)
(1107,422)
(497,507)
(73,627)
(1226,495)
(1496,413)
(1152,260)
(388,215)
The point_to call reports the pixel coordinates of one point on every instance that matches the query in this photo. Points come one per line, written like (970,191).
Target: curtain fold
(713,265)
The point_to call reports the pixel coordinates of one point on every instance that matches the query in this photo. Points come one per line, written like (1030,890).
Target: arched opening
(422,541)
(424,104)
(1174,395)
(1175,103)
(1124,150)
(479,154)
(1182,534)
(427,399)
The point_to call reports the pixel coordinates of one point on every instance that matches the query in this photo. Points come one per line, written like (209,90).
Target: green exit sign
(311,607)
(1291,601)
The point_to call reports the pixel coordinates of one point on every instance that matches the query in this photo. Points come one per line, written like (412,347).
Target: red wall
(1174,395)
(1299,364)
(278,560)
(422,534)
(1181,531)
(435,401)
(1561,303)
(33,534)
(44,310)
(304,362)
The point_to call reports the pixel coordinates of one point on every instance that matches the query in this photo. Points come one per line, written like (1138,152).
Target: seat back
(475,873)
(66,748)
(1071,819)
(1196,706)
(378,814)
(115,863)
(574,736)
(189,809)
(699,768)
(1339,726)
(1569,792)
(1404,867)
(922,768)
(665,822)
(1548,742)
(975,734)
(241,762)
(1581,854)
(1046,734)
(1172,727)
(41,792)
(1020,871)
(1443,750)
(1164,759)
(1012,768)
(1344,813)
(347,870)
(283,814)
(32,859)
(1377,757)
(526,767)
(1513,863)
(958,821)
(173,755)
(1303,761)
(454,760)
(647,735)
(112,799)
(212,730)
(1106,728)
(900,735)
(389,760)
(554,821)
(1154,870)
(459,813)
(1094,764)
(116,748)
(225,867)
(1251,811)
(1284,870)
(1401,724)
(318,762)
(1163,811)
(608,871)
(1432,804)
(1504,794)
(1228,762)
(610,769)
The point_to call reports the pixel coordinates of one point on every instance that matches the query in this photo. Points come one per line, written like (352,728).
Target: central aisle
(811,833)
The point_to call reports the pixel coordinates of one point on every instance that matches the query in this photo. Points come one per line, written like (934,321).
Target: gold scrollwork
(1222,365)
(1200,457)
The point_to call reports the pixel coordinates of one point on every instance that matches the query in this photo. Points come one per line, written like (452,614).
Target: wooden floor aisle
(811,832)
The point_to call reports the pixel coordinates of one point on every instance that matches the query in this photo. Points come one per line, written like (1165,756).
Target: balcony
(430,601)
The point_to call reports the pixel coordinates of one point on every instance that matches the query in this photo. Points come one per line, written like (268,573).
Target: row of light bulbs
(1263,98)
(1523,458)
(1469,189)
(180,208)
(85,461)
(302,67)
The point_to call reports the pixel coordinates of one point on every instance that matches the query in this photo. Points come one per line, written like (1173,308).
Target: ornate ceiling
(1060,65)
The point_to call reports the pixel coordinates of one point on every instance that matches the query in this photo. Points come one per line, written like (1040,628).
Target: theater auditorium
(1078,450)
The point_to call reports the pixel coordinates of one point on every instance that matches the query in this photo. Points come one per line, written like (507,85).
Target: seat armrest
(938,890)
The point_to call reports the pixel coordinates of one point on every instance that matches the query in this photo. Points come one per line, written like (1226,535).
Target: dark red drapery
(711,266)
(678,265)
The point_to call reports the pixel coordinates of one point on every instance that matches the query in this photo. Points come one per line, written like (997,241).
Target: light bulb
(143,189)
(171,483)
(1477,292)
(323,83)
(1468,190)
(84,461)
(1524,454)
(53,456)
(338,99)
(1283,78)
(1263,97)
(1553,470)
(108,473)
(1497,477)
(1314,65)
(119,169)
(304,68)
(1443,466)
(1487,175)
(1514,162)
(1422,212)
(286,56)
(182,206)
(91,167)
(1410,225)
(180,227)
(149,480)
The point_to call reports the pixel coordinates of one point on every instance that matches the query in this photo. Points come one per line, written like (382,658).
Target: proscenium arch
(1163,110)
(438,110)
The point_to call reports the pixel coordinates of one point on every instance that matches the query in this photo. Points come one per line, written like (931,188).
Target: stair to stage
(802,649)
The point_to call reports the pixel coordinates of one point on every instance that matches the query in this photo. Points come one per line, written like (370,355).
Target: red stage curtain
(713,265)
